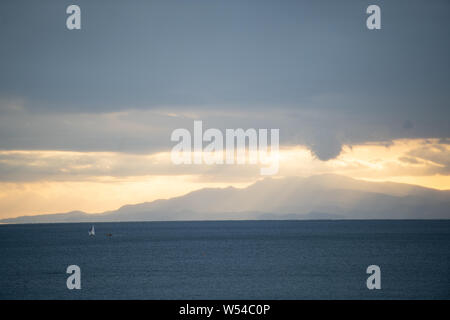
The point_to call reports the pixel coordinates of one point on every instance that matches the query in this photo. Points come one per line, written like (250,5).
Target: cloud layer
(311,69)
(92,111)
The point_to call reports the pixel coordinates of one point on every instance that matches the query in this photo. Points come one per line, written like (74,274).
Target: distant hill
(316,197)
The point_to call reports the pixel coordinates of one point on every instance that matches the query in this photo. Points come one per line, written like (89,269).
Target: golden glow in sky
(37,182)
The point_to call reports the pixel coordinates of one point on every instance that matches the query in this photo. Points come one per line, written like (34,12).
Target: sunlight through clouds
(36,182)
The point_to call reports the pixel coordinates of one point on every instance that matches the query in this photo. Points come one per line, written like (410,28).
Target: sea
(227,260)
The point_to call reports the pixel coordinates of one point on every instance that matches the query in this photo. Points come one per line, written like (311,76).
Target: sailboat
(92,231)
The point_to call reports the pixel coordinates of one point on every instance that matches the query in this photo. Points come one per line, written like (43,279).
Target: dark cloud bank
(311,69)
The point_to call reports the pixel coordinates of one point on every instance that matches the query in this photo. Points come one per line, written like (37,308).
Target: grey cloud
(144,54)
(408,124)
(311,69)
(439,155)
(140,131)
(410,160)
(325,146)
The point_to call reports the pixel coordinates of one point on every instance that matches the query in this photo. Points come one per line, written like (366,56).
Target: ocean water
(227,260)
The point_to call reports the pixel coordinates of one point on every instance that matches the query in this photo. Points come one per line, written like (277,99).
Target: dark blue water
(227,260)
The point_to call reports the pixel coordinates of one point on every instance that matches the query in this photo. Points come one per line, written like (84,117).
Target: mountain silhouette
(316,197)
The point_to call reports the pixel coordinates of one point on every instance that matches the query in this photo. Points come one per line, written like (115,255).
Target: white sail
(92,231)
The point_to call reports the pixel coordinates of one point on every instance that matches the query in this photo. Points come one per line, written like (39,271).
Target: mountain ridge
(325,196)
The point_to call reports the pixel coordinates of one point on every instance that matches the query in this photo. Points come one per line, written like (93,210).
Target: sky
(86,115)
